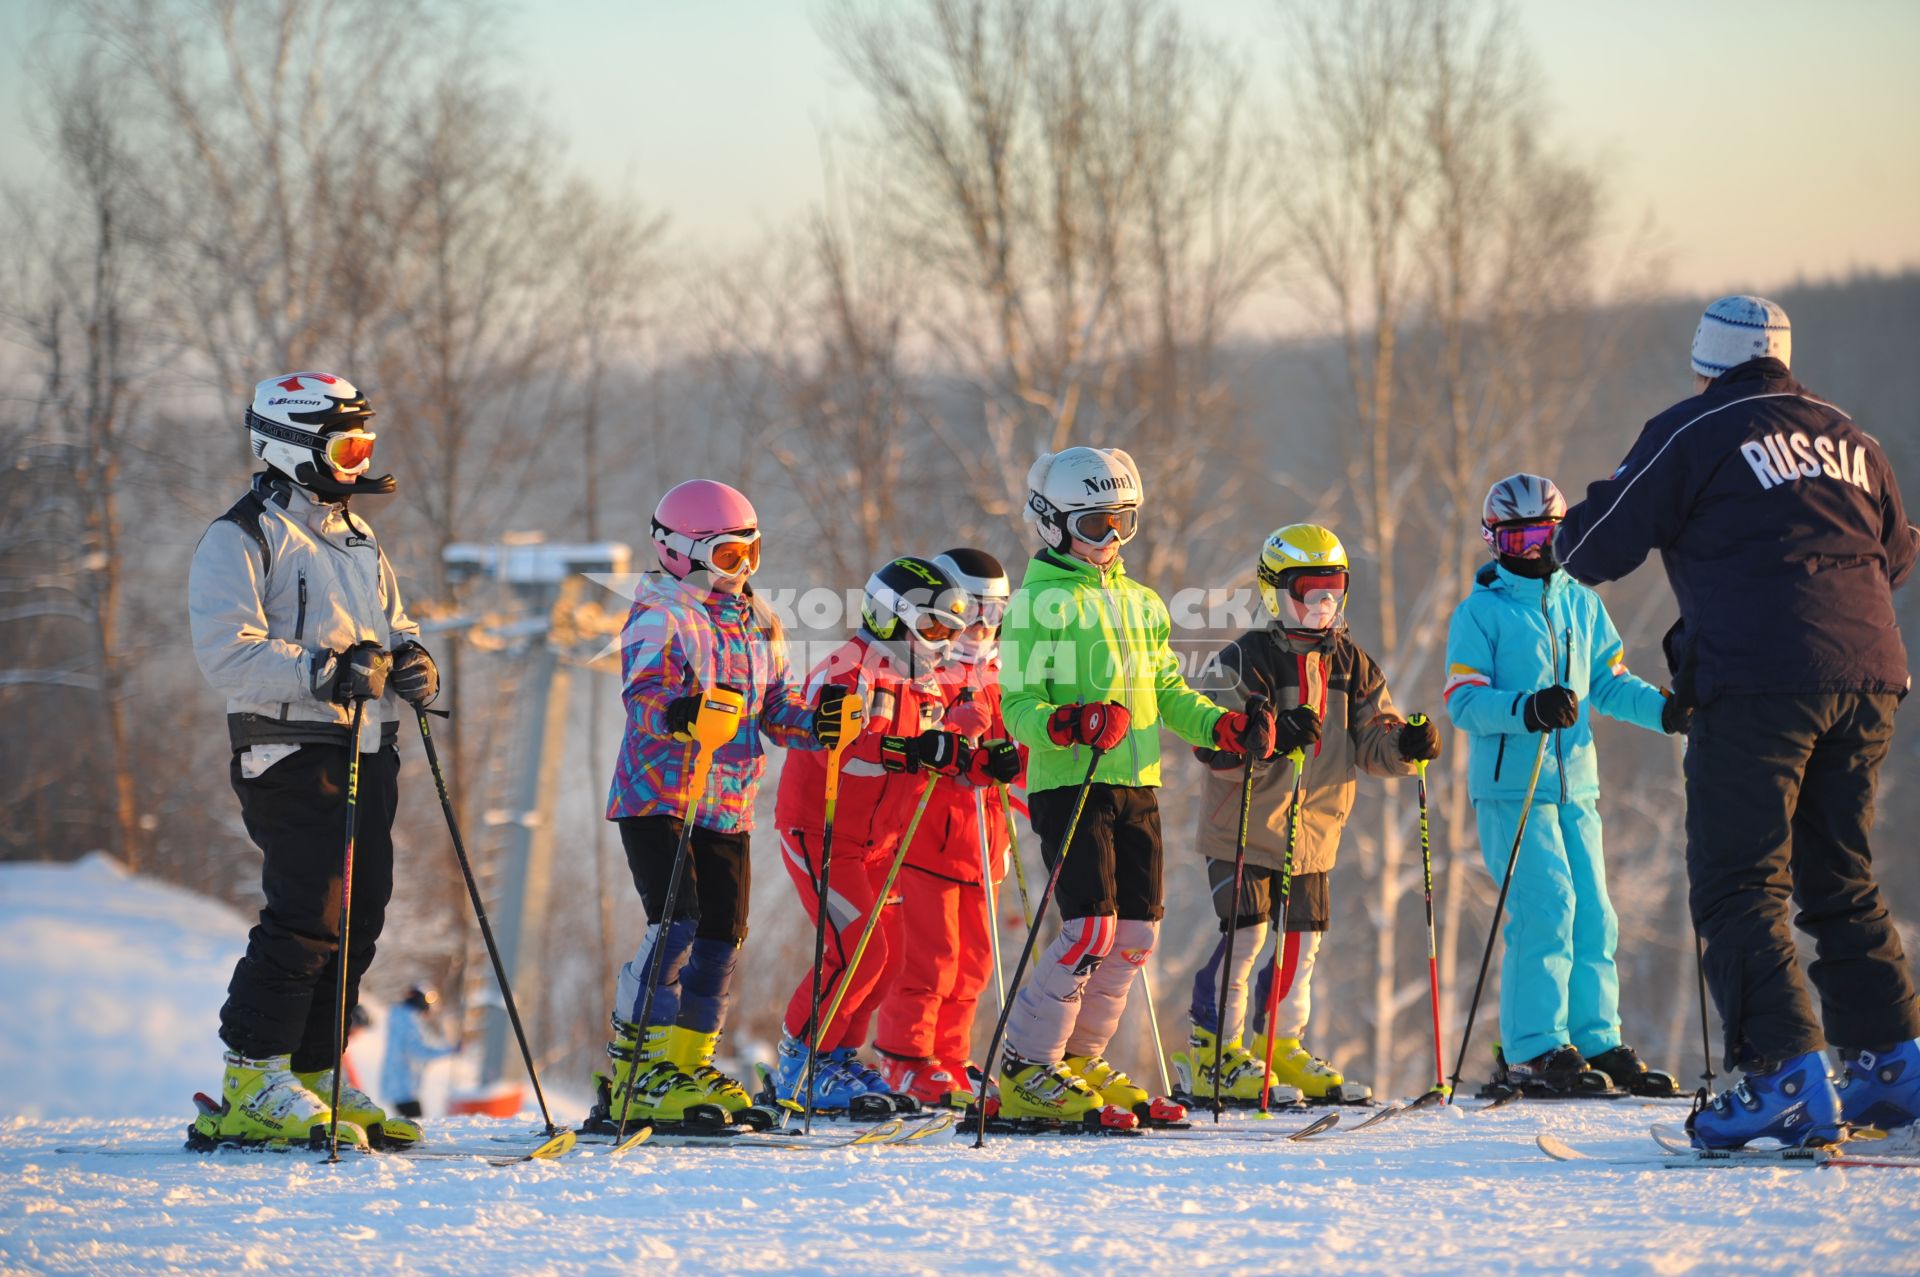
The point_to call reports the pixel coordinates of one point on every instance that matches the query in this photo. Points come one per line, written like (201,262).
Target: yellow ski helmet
(1298,559)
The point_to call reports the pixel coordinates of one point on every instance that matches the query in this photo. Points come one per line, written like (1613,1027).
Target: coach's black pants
(281,998)
(1779,806)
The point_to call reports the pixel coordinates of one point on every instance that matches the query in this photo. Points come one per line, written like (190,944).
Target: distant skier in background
(296,616)
(923,1034)
(1331,702)
(413,1042)
(1784,536)
(695,625)
(1529,652)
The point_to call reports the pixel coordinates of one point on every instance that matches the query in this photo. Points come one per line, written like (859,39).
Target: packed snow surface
(1442,1192)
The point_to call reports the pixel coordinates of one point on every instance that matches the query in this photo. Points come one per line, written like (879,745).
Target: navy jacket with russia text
(1782,531)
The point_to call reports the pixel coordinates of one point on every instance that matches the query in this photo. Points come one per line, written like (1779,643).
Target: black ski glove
(943,752)
(1420,741)
(357,674)
(1676,716)
(1551,708)
(681,711)
(415,677)
(826,716)
(1296,728)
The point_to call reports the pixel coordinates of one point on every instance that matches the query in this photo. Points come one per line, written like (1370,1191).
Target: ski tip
(557,1146)
(1558,1149)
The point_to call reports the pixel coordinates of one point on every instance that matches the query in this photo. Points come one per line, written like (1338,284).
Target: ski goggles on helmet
(730,553)
(1308,586)
(989,612)
(1521,540)
(1104,527)
(350,451)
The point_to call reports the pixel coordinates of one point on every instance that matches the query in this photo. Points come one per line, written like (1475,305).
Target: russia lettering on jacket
(1786,458)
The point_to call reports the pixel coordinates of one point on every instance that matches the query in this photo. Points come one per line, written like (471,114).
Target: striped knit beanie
(1736,329)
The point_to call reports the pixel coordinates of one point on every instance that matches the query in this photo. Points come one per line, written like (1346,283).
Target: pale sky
(1767,139)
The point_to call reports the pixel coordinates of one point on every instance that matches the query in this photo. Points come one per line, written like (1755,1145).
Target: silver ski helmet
(1089,494)
(1518,521)
(310,425)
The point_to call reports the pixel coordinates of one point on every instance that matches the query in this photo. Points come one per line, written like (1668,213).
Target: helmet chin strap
(315,479)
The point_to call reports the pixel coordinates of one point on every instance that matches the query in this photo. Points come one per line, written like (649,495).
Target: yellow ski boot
(1031,1090)
(1318,1080)
(661,1094)
(1240,1075)
(692,1053)
(262,1102)
(357,1106)
(1122,1092)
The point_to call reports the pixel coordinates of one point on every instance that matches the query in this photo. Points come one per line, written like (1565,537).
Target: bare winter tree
(1080,187)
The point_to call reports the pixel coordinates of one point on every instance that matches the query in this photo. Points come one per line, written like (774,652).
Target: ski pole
(1013,853)
(873,916)
(1433,944)
(1299,760)
(716,722)
(480,913)
(1499,907)
(1233,928)
(992,1060)
(986,885)
(1153,1026)
(850,714)
(346,914)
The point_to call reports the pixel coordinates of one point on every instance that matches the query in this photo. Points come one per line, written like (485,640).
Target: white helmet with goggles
(1091,495)
(914,610)
(313,428)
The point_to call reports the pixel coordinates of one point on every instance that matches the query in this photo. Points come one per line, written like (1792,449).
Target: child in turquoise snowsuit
(1512,637)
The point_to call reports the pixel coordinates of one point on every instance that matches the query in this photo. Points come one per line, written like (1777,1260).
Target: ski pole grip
(718,718)
(1419,720)
(849,718)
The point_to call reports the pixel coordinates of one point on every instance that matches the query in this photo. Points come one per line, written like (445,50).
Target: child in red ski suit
(900,752)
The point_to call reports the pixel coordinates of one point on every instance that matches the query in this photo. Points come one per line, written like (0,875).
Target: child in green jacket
(1086,665)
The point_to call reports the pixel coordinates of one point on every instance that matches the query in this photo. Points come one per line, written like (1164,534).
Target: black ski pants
(281,998)
(1779,807)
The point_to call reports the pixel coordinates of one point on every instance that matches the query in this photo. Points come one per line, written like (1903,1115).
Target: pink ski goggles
(1521,540)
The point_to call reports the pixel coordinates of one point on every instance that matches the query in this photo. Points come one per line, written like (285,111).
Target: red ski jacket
(949,846)
(875,805)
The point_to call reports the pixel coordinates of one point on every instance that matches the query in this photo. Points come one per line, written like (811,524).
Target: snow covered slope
(111,998)
(133,973)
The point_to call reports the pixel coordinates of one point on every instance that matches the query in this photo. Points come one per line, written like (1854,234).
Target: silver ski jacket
(277,580)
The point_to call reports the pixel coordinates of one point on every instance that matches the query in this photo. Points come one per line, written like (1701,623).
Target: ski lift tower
(553,623)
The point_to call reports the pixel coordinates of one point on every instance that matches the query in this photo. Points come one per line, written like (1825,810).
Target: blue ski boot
(836,1091)
(1793,1102)
(871,1083)
(1882,1088)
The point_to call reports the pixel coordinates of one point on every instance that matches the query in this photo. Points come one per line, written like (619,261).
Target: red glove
(1238,732)
(1101,726)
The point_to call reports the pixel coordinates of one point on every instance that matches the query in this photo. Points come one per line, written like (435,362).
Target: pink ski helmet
(693,516)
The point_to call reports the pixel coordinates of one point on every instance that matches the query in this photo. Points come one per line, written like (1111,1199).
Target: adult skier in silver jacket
(297,616)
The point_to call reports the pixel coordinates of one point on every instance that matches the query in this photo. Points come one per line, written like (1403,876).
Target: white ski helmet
(1065,486)
(307,425)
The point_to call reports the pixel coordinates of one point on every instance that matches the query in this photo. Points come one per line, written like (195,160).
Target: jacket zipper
(1553,669)
(1499,756)
(299,633)
(1106,594)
